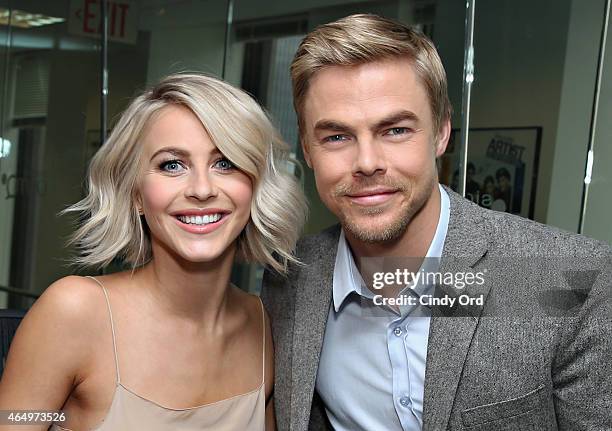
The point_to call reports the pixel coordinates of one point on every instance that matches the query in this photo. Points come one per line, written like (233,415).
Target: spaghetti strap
(246,411)
(263,327)
(110,313)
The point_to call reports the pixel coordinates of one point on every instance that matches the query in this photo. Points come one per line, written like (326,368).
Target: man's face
(369,137)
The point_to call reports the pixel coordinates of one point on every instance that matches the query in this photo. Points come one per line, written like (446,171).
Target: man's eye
(335,138)
(171,166)
(397,131)
(224,164)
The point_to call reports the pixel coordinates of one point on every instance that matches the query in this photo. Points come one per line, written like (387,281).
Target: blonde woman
(191,178)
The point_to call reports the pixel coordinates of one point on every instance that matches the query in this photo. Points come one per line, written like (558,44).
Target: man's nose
(201,185)
(370,158)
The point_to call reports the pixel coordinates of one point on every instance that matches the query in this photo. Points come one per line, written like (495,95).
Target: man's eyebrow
(178,152)
(395,118)
(332,125)
(390,120)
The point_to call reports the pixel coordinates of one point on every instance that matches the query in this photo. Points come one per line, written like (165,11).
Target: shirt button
(404,401)
(397,331)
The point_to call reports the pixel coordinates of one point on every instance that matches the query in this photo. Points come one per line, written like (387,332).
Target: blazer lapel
(450,337)
(313,300)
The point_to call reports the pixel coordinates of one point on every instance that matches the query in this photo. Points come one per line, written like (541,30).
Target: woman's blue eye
(171,166)
(224,164)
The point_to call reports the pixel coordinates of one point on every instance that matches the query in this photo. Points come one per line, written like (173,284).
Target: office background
(539,102)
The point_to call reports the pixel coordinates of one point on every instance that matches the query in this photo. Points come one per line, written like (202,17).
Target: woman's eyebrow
(172,150)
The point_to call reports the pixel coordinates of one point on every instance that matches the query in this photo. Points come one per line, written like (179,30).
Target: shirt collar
(347,278)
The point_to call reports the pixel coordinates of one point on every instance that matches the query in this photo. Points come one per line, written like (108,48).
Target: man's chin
(376,231)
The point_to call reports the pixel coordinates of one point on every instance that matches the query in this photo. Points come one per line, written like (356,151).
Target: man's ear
(443,136)
(305,151)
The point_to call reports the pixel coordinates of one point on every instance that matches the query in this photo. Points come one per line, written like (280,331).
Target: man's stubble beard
(417,197)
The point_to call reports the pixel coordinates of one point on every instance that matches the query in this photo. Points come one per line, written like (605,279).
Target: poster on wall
(502,168)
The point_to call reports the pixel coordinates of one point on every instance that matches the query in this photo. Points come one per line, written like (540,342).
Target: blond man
(528,348)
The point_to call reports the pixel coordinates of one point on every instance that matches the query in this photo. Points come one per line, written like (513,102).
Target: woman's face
(195,201)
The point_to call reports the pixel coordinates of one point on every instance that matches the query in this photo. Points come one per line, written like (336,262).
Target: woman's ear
(138,203)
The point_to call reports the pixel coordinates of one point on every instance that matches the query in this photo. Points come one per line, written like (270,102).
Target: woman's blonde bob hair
(112,227)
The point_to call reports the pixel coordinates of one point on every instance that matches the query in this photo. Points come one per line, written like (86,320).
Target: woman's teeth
(200,220)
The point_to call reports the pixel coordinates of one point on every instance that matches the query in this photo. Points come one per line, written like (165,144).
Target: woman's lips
(202,229)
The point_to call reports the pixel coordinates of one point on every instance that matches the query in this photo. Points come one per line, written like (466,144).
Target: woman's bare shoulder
(66,313)
(71,299)
(54,343)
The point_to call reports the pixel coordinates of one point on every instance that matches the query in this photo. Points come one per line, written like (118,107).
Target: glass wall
(51,116)
(50,79)
(531,107)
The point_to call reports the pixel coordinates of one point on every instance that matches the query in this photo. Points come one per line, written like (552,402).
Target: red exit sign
(86,19)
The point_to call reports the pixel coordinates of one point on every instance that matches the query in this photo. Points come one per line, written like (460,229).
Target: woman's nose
(200,186)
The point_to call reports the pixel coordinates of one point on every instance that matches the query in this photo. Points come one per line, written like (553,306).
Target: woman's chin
(194,251)
(207,255)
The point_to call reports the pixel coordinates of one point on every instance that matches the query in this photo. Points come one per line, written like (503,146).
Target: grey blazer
(536,356)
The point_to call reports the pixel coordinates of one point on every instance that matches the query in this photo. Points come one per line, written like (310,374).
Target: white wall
(185,36)
(598,220)
(575,109)
(248,9)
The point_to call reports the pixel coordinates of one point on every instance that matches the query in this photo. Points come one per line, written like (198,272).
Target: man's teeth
(206,219)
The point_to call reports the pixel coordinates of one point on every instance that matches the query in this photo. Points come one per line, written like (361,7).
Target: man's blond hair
(365,38)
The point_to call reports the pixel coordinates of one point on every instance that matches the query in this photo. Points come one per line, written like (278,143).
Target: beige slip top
(132,412)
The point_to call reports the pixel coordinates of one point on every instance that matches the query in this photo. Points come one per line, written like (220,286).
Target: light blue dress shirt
(372,367)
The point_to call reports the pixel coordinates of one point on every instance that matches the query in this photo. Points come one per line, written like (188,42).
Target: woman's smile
(202,224)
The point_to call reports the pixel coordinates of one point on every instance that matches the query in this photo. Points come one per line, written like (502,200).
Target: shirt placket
(396,333)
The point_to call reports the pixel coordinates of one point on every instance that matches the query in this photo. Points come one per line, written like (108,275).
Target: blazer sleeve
(582,369)
(277,297)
